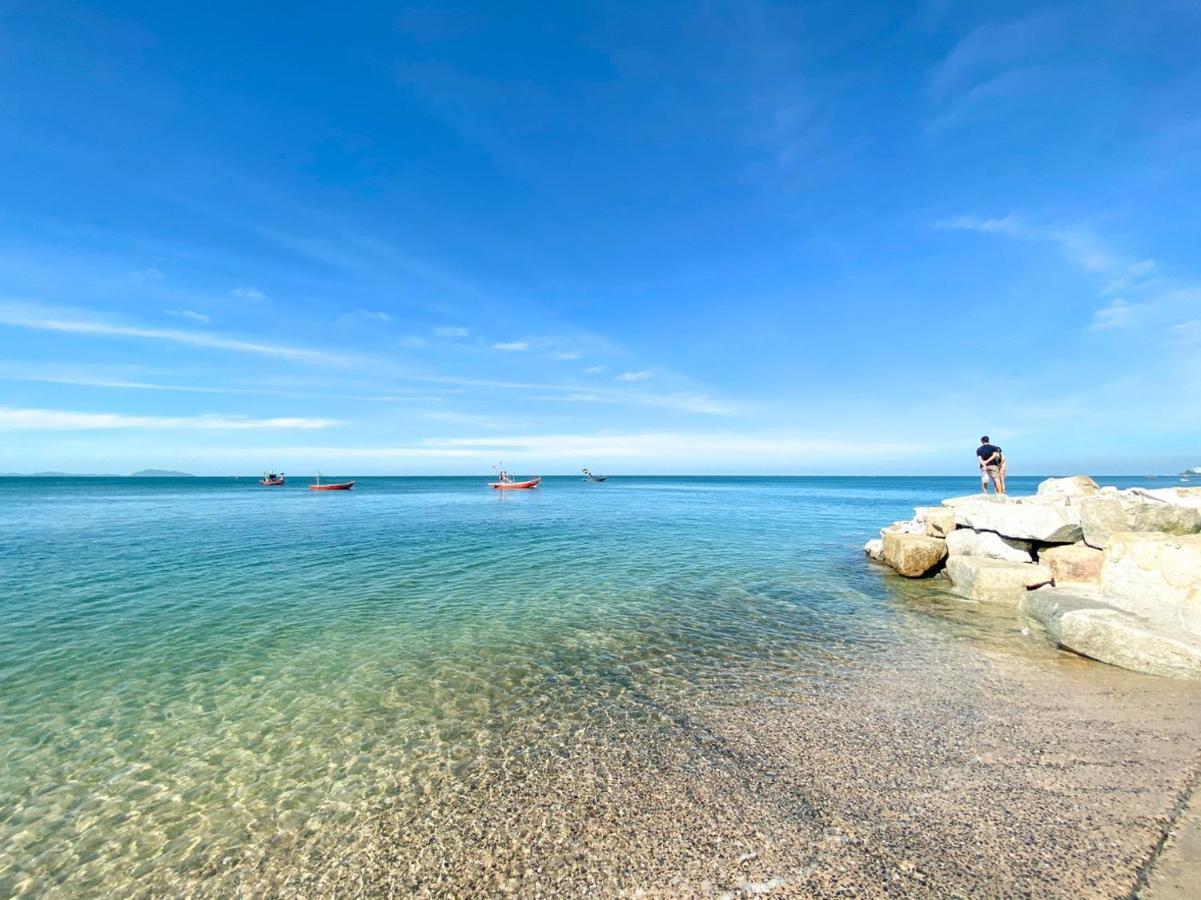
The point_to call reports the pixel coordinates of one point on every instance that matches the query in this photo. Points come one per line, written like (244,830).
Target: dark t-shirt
(984,451)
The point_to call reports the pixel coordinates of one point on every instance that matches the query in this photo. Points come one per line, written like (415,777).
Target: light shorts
(989,473)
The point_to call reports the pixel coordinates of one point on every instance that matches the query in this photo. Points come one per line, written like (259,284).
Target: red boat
(505,482)
(270,479)
(336,486)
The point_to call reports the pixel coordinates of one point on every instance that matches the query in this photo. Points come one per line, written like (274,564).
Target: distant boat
(270,479)
(332,486)
(593,479)
(504,482)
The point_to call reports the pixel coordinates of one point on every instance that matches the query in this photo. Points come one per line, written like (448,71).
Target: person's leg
(983,480)
(1001,476)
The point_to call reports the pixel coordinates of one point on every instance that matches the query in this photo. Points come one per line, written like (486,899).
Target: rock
(956,502)
(1077,619)
(995,580)
(913,526)
(913,555)
(1048,519)
(1073,486)
(875,549)
(1073,563)
(939,521)
(1181,496)
(1156,576)
(966,542)
(1111,512)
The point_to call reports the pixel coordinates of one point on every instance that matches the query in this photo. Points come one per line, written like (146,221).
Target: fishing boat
(331,486)
(593,478)
(504,482)
(270,479)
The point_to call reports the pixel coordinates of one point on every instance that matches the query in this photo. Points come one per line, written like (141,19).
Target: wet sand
(976,763)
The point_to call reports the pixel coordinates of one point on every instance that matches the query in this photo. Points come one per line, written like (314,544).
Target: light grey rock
(1156,576)
(939,521)
(1077,619)
(995,580)
(967,542)
(1072,486)
(1109,513)
(1048,519)
(875,549)
(1181,496)
(913,526)
(913,555)
(1073,563)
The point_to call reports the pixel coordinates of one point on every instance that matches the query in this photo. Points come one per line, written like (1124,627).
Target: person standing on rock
(991,464)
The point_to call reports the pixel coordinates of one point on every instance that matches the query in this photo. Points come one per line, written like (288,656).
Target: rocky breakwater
(1109,574)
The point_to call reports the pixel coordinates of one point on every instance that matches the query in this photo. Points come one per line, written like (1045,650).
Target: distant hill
(160,473)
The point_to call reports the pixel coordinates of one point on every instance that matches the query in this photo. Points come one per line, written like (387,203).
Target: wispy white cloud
(991,47)
(474,420)
(412,342)
(1118,314)
(642,375)
(190,314)
(511,346)
(57,375)
(365,316)
(1077,244)
(248,293)
(699,449)
(681,401)
(12,419)
(44,320)
(564,355)
(451,331)
(1188,333)
(594,370)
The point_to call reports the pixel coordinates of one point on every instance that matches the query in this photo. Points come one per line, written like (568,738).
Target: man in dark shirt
(990,459)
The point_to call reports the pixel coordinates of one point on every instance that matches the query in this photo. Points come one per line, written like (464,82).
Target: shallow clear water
(191,668)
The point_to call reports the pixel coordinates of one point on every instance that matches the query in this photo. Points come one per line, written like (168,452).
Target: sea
(201,677)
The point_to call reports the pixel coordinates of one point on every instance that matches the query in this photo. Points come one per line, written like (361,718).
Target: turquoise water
(198,674)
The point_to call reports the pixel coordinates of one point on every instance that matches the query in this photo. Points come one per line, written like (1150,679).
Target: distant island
(160,473)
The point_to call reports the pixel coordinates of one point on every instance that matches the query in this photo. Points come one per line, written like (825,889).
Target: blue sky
(707,237)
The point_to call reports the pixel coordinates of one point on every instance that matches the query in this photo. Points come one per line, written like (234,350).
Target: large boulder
(966,542)
(1157,576)
(913,555)
(995,580)
(939,521)
(1073,563)
(1111,512)
(875,549)
(1078,620)
(1049,519)
(1073,486)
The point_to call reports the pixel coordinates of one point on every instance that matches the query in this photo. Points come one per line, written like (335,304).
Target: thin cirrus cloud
(365,316)
(642,447)
(451,331)
(191,315)
(67,420)
(642,375)
(47,321)
(1118,314)
(248,293)
(511,346)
